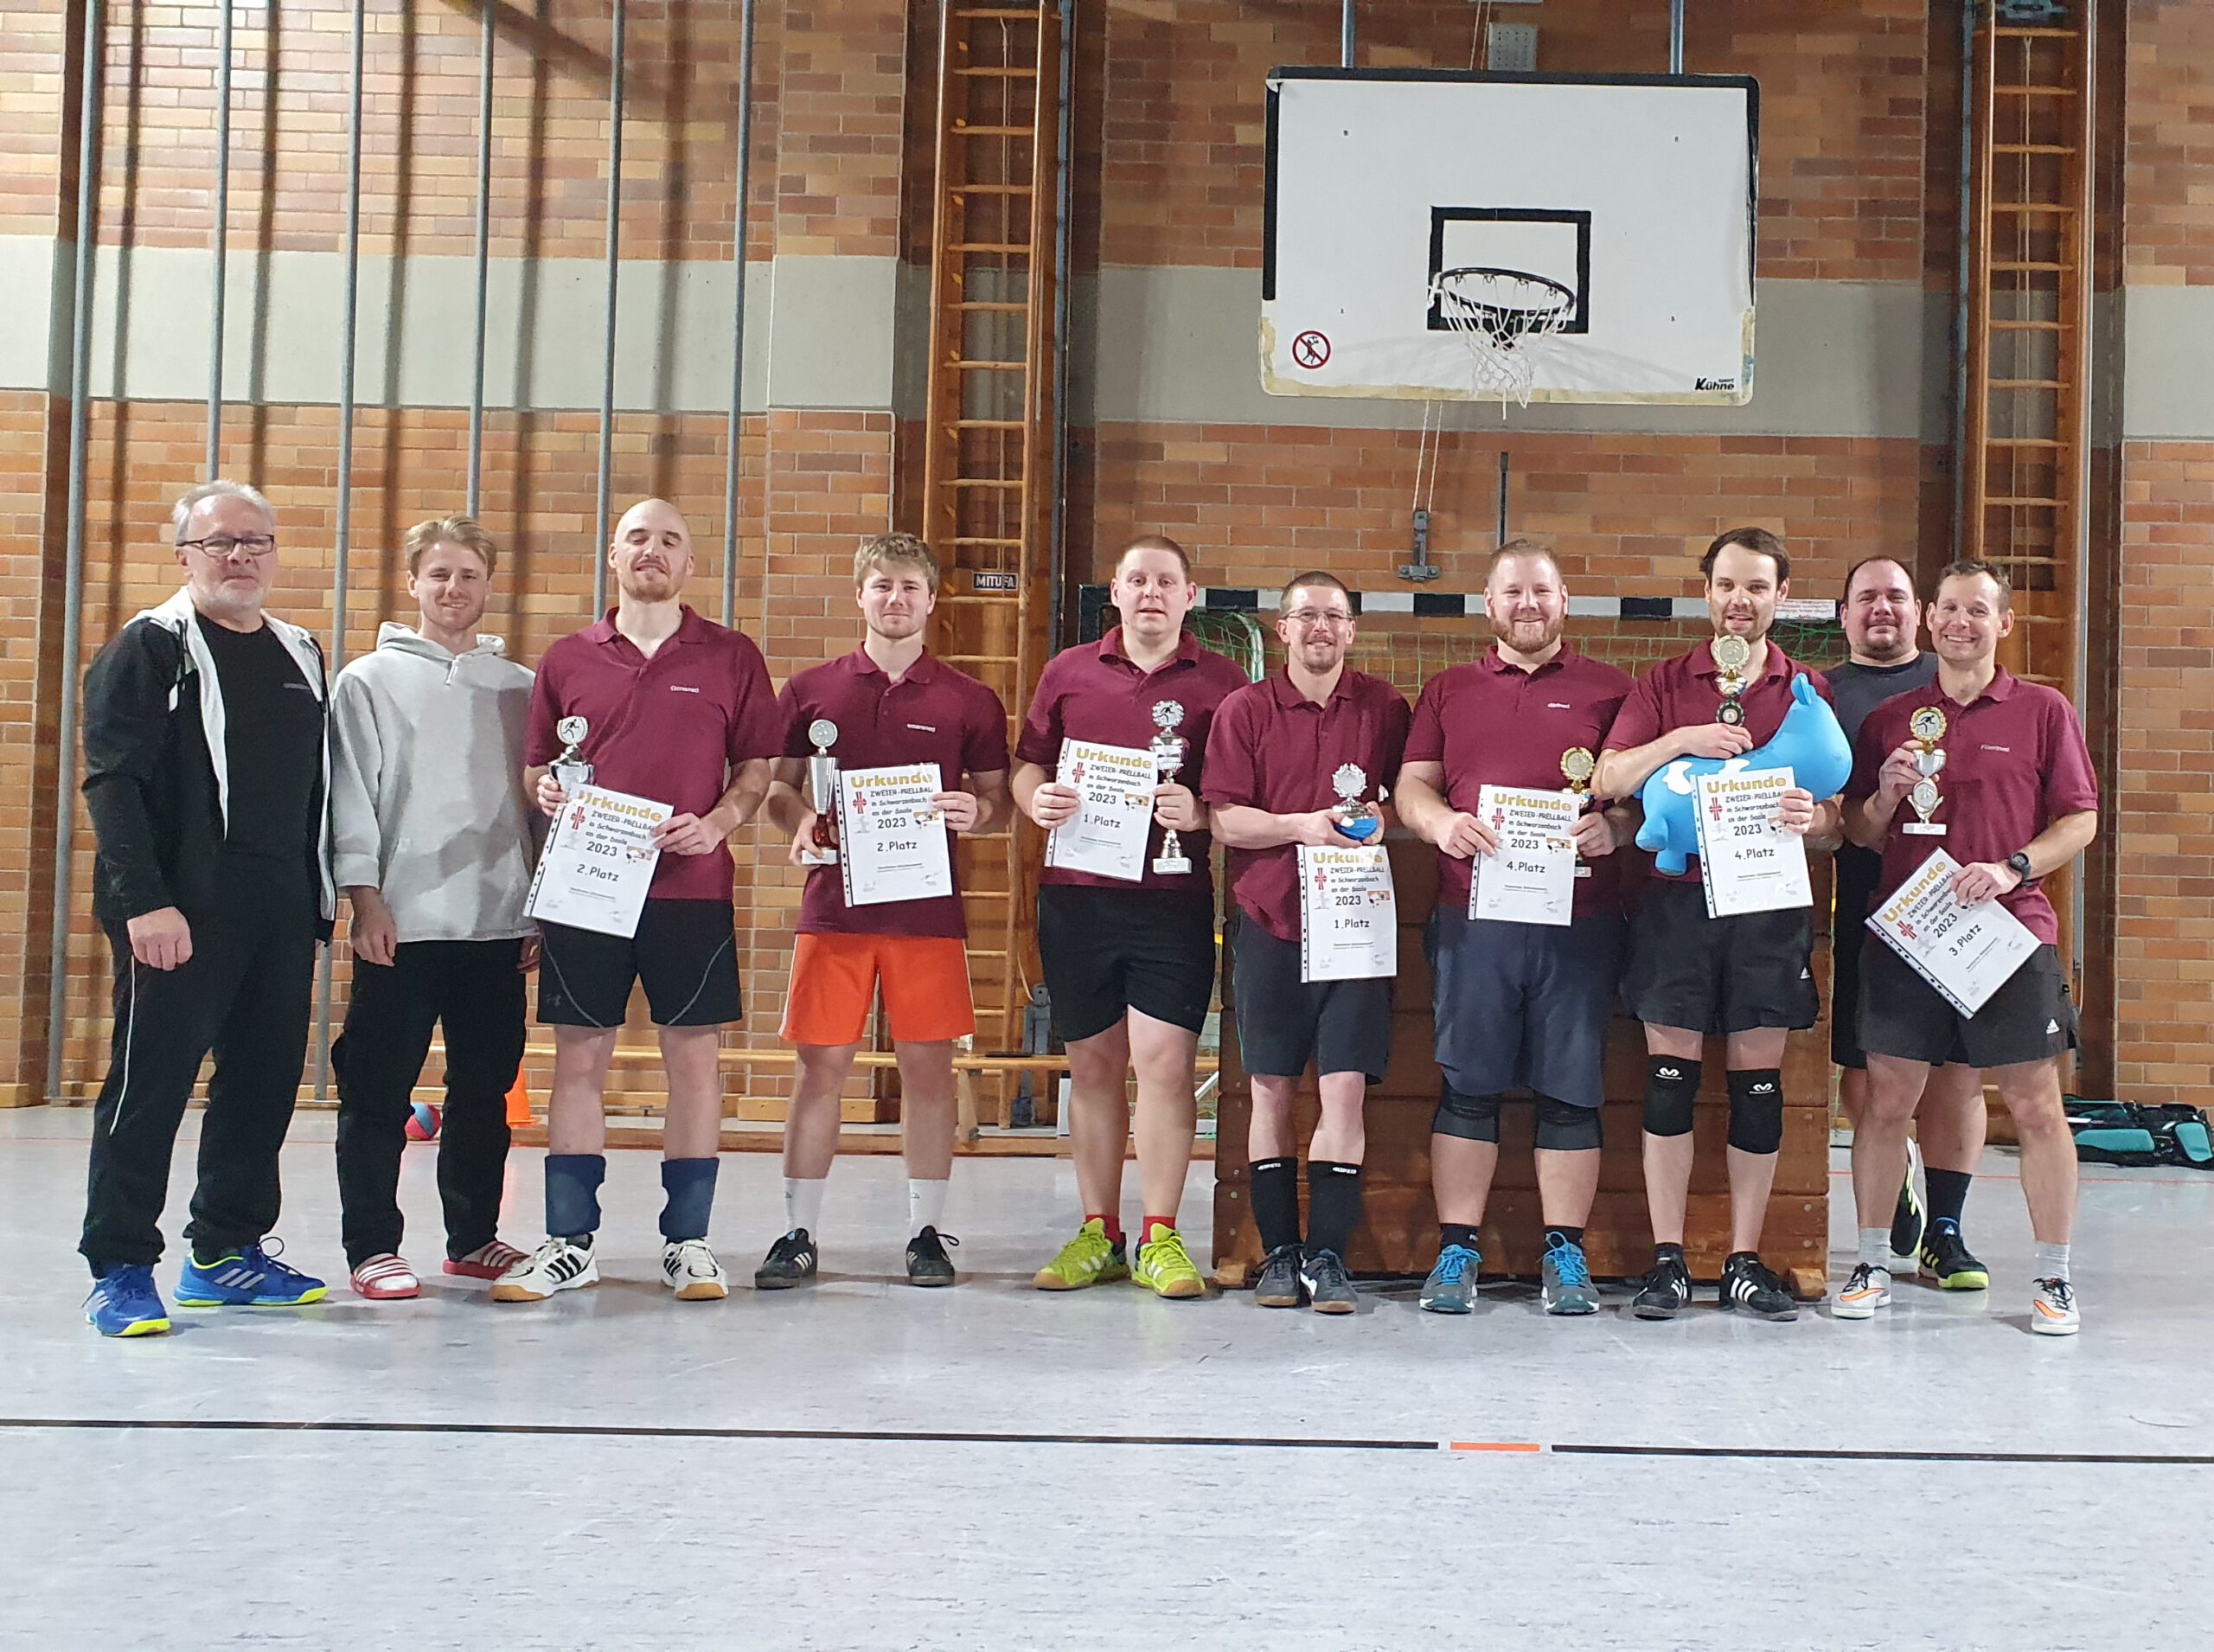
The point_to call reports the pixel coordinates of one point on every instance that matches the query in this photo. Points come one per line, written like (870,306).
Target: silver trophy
(822,784)
(1168,749)
(1927,727)
(570,771)
(1356,820)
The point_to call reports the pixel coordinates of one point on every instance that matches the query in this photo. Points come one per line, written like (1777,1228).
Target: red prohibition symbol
(1310,349)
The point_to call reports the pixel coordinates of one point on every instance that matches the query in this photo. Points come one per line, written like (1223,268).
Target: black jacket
(153,785)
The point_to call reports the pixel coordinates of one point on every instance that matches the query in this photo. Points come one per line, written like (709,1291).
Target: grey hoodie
(426,801)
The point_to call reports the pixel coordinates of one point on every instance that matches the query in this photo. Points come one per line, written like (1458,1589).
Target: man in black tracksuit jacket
(205,777)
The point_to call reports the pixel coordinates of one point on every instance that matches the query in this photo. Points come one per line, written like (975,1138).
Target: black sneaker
(1945,1258)
(1664,1292)
(790,1262)
(927,1262)
(1751,1289)
(1327,1289)
(1278,1285)
(1906,1218)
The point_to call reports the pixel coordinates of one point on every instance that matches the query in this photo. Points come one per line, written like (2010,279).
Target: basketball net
(1492,312)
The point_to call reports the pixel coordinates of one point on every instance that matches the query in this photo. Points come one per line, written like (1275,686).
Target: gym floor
(863,1465)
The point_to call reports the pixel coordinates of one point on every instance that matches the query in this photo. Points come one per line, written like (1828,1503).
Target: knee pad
(1670,1087)
(1756,1110)
(1473,1118)
(1563,1127)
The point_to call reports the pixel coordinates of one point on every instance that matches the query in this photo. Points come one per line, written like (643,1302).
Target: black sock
(1556,1234)
(1461,1234)
(1948,1194)
(1669,1254)
(1276,1202)
(1333,1205)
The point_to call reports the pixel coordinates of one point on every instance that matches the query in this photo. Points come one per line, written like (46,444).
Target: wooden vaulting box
(1399,1231)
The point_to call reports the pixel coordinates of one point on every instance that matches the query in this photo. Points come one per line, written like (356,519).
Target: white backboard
(1637,193)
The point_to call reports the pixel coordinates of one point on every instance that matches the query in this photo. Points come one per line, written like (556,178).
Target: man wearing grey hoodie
(431,841)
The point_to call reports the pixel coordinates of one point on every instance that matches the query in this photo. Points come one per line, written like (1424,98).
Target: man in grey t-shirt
(1882,619)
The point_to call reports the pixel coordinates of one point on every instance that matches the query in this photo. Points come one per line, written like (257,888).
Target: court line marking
(920,1437)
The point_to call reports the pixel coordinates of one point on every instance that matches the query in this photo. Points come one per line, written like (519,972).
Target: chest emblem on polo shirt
(2008,750)
(924,729)
(682,688)
(1555,705)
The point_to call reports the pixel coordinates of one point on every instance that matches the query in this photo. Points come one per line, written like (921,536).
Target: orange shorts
(925,980)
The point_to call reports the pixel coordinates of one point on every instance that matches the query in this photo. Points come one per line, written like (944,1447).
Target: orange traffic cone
(519,1101)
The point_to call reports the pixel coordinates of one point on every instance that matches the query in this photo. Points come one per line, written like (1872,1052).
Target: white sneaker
(689,1268)
(1868,1289)
(558,1264)
(2052,1310)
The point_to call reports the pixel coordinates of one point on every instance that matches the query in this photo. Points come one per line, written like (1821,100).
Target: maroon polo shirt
(1093,693)
(672,729)
(1685,691)
(933,714)
(1273,748)
(1491,723)
(2015,762)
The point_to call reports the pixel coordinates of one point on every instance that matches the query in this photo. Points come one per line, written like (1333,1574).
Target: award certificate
(890,838)
(1746,862)
(1966,952)
(1533,878)
(1107,835)
(597,862)
(1348,916)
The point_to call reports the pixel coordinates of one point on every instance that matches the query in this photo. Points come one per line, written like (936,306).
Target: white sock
(803,1203)
(1875,1247)
(925,1204)
(2052,1262)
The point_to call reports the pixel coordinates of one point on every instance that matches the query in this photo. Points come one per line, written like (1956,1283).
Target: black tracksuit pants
(244,995)
(473,988)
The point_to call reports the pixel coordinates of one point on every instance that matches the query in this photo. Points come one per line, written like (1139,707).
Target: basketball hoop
(1492,310)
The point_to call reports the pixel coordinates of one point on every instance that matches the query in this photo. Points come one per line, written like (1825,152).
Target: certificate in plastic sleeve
(890,836)
(1746,862)
(1348,916)
(1107,835)
(598,861)
(1966,952)
(1533,878)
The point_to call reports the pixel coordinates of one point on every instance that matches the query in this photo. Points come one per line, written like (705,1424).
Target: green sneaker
(1084,1260)
(1165,1267)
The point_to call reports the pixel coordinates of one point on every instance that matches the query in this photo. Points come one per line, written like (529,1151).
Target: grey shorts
(1284,1022)
(1525,1006)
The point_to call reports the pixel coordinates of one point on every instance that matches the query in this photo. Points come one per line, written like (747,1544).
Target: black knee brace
(1756,1110)
(1473,1118)
(1563,1127)
(1670,1087)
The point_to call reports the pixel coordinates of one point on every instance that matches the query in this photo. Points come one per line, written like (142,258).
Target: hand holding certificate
(1108,833)
(890,837)
(1533,878)
(598,861)
(1966,952)
(1747,861)
(1348,915)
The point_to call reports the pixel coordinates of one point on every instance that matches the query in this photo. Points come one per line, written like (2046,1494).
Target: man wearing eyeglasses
(205,776)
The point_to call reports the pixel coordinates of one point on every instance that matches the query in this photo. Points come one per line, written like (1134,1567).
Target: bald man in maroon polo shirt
(1518,1006)
(1129,965)
(679,710)
(2019,800)
(1747,977)
(1272,759)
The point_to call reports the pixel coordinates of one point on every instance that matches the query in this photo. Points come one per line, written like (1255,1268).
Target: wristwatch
(2019,859)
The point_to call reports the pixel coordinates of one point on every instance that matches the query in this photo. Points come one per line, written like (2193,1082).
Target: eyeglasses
(1316,619)
(223,547)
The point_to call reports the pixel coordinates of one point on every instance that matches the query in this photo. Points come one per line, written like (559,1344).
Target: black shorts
(1719,975)
(2032,1018)
(685,955)
(1524,1005)
(1855,877)
(1285,1022)
(1107,951)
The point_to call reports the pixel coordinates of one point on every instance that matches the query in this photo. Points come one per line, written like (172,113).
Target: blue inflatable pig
(1809,742)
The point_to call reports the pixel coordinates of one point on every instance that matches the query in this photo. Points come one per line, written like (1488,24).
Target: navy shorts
(1285,1022)
(1716,976)
(1525,1006)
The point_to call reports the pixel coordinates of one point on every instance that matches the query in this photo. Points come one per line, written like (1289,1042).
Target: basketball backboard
(1605,225)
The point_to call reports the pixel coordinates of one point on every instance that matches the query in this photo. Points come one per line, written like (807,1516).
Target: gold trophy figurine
(1731,655)
(1927,727)
(1576,767)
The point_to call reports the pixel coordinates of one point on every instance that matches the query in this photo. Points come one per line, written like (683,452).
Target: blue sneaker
(1451,1287)
(247,1278)
(124,1302)
(1567,1280)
